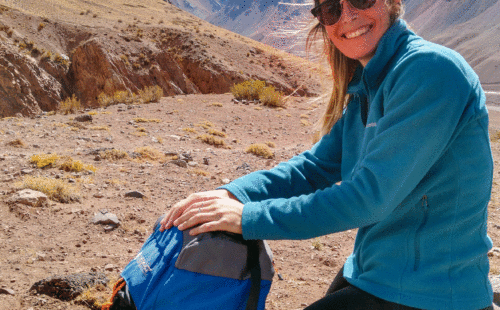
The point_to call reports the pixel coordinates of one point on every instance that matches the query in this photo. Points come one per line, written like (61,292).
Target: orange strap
(118,286)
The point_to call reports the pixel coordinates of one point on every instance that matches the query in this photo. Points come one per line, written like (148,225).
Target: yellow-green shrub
(70,105)
(113,154)
(44,160)
(248,89)
(209,139)
(148,152)
(260,149)
(255,89)
(215,132)
(55,189)
(151,94)
(71,165)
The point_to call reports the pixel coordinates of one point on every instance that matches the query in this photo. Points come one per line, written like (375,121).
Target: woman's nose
(349,13)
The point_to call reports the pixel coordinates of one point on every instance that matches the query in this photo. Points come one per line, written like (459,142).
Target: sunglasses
(329,11)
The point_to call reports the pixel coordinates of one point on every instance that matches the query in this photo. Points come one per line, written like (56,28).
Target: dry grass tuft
(209,139)
(215,132)
(148,152)
(305,122)
(258,90)
(199,172)
(145,120)
(70,105)
(216,104)
(100,128)
(44,160)
(70,165)
(261,150)
(113,154)
(16,143)
(151,94)
(54,189)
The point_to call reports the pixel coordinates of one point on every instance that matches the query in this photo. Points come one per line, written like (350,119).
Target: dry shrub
(138,134)
(151,94)
(41,26)
(92,113)
(205,124)
(145,120)
(44,160)
(70,105)
(260,149)
(209,139)
(216,104)
(70,165)
(215,132)
(270,97)
(199,172)
(495,137)
(248,89)
(96,296)
(271,144)
(54,189)
(255,89)
(191,130)
(99,128)
(113,154)
(148,152)
(305,122)
(16,143)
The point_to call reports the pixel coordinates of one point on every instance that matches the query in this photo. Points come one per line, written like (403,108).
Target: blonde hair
(342,69)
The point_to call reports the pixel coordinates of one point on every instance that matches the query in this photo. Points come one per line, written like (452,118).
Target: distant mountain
(471,27)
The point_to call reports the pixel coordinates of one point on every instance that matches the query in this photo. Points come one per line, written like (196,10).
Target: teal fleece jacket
(413,156)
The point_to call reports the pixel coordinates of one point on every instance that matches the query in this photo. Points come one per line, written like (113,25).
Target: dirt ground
(60,239)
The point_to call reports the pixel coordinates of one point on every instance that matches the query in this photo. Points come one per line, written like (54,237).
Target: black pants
(343,296)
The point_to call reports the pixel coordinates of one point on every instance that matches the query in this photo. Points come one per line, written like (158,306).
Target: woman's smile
(358,32)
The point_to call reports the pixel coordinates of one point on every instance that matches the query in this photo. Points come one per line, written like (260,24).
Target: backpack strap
(253,263)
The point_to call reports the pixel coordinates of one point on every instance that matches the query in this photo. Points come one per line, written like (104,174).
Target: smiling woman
(404,157)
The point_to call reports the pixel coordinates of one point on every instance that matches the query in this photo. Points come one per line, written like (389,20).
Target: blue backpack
(215,270)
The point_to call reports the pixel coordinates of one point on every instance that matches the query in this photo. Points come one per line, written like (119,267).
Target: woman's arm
(425,100)
(314,169)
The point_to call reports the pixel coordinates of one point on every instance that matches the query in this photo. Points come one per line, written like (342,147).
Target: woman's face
(358,32)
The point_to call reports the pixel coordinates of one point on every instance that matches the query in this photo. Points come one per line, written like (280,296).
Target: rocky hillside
(471,27)
(53,49)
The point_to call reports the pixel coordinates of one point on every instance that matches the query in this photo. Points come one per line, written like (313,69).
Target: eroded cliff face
(25,87)
(41,67)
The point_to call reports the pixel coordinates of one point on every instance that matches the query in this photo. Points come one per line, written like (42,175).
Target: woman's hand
(212,210)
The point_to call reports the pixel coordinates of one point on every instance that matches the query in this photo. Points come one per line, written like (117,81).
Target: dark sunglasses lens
(362,4)
(328,13)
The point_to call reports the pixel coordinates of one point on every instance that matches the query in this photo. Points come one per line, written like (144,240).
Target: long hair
(342,69)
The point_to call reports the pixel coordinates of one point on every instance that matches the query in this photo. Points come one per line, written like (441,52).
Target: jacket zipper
(425,207)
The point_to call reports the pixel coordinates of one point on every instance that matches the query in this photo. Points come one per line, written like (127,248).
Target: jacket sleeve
(302,174)
(424,99)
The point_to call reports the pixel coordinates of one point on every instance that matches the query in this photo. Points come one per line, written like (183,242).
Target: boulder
(29,197)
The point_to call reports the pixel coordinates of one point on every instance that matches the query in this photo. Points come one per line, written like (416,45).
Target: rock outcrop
(25,87)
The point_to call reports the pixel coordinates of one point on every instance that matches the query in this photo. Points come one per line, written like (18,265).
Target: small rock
(134,194)
(36,146)
(226,181)
(192,164)
(178,138)
(109,267)
(206,161)
(98,195)
(179,162)
(169,153)
(83,118)
(105,218)
(7,291)
(26,171)
(71,181)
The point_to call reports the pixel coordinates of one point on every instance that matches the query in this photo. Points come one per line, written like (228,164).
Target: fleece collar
(370,77)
